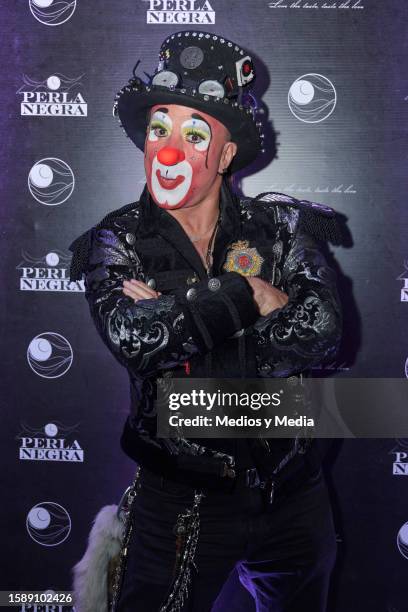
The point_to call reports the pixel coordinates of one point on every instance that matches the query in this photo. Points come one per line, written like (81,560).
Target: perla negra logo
(180,11)
(57,95)
(53,442)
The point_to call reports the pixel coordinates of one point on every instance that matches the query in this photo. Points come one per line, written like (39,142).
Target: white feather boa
(91,582)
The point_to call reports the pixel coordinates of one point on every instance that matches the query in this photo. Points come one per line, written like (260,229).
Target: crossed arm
(291,329)
(307,330)
(160,332)
(266,296)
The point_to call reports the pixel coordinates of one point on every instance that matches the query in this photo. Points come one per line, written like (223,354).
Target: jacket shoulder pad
(319,220)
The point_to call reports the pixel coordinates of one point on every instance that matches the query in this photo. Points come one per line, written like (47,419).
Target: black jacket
(216,328)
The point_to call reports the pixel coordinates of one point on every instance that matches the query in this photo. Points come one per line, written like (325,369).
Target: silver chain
(128,528)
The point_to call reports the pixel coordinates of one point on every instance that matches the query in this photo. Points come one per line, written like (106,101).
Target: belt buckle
(252,478)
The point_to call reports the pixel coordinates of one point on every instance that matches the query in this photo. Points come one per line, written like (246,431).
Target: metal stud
(238,333)
(214,284)
(151,283)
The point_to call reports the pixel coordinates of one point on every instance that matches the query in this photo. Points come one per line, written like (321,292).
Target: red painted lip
(167,183)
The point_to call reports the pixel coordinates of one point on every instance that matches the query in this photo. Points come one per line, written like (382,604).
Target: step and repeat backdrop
(335,88)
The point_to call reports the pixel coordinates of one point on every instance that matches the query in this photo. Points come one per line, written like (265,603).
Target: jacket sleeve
(155,334)
(307,330)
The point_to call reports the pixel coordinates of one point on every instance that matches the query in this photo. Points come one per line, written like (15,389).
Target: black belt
(298,470)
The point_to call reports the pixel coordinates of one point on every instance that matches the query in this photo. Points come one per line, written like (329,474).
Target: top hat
(203,71)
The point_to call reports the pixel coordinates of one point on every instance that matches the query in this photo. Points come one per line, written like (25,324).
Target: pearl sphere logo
(49,355)
(402,540)
(406,367)
(53,82)
(52,12)
(52,259)
(51,430)
(312,98)
(51,181)
(48,524)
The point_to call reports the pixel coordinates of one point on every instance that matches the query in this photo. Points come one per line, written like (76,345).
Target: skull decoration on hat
(205,72)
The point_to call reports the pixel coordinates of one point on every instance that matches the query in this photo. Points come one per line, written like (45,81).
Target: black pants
(284,552)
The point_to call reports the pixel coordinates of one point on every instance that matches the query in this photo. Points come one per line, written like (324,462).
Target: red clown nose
(169,156)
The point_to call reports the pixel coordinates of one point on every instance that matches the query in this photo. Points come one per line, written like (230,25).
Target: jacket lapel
(230,227)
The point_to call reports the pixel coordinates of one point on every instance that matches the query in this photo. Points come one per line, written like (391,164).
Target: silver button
(238,333)
(214,284)
(130,238)
(191,294)
(277,248)
(151,283)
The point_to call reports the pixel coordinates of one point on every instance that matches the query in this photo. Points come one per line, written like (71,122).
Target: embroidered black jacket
(209,328)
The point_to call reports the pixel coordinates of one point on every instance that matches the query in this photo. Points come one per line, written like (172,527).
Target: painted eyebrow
(158,110)
(197,116)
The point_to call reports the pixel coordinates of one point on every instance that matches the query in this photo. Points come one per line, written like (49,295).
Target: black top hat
(206,72)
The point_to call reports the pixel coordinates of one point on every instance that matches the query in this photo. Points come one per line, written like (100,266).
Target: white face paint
(160,126)
(162,177)
(197,132)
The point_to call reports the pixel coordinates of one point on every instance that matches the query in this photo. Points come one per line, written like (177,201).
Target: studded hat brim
(133,103)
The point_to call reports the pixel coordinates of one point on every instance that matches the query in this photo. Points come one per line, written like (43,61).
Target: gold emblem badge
(242,259)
